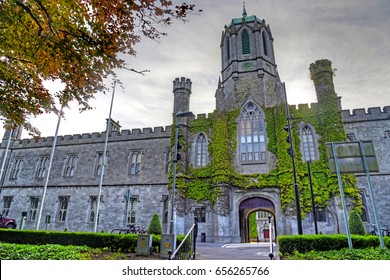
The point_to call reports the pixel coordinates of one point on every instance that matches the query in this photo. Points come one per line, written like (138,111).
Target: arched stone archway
(249,206)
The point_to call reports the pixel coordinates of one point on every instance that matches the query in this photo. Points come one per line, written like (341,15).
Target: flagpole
(48,171)
(104,162)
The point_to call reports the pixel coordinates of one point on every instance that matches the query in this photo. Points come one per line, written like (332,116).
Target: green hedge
(114,242)
(343,254)
(306,243)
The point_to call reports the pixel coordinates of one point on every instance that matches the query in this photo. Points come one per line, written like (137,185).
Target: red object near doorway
(266,233)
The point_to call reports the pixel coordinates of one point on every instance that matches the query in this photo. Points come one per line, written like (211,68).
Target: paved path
(234,251)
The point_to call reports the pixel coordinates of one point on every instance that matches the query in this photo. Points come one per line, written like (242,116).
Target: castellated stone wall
(153,145)
(374,125)
(150,185)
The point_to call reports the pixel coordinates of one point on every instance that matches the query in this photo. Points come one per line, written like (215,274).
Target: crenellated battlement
(320,67)
(361,115)
(96,137)
(182,83)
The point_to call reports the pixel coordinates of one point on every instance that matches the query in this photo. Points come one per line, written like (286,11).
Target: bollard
(271,254)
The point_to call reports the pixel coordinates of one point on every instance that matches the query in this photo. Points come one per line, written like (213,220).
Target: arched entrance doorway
(252,205)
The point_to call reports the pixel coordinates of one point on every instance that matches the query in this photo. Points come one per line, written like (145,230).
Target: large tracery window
(308,144)
(200,150)
(252,134)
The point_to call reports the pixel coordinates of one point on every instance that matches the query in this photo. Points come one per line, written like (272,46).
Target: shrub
(355,223)
(155,225)
(343,254)
(306,243)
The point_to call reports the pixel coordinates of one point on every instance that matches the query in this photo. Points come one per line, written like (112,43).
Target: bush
(344,254)
(355,223)
(155,225)
(309,242)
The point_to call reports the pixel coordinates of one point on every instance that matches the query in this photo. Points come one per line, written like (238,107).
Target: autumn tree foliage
(74,41)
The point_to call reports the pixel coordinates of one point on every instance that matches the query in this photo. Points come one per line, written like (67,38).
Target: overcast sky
(353,34)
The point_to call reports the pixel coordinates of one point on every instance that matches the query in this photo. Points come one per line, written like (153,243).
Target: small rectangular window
(135,162)
(92,208)
(321,214)
(131,209)
(16,166)
(42,164)
(62,212)
(200,213)
(7,200)
(33,208)
(70,165)
(99,162)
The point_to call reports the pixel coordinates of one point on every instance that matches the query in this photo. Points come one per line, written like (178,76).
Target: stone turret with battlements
(321,73)
(181,92)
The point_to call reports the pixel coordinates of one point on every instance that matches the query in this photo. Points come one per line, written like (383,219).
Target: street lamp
(175,159)
(291,151)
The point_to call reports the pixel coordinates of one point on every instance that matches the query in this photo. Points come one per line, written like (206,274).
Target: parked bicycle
(131,228)
(136,228)
(385,230)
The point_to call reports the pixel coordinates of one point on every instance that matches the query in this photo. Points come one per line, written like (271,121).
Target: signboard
(350,157)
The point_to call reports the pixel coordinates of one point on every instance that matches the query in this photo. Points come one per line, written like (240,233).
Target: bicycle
(385,230)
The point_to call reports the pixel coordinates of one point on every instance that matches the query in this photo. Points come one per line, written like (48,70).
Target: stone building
(234,161)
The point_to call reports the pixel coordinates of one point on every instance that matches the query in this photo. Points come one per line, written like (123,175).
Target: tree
(355,223)
(155,225)
(74,41)
(253,226)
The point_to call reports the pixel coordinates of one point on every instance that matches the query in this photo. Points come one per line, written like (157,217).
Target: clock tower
(248,65)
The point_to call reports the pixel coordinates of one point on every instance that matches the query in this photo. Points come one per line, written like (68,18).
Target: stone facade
(137,176)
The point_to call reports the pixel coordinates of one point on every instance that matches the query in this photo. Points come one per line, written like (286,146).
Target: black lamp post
(175,159)
(291,151)
(312,198)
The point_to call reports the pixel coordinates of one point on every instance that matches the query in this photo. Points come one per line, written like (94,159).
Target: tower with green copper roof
(248,64)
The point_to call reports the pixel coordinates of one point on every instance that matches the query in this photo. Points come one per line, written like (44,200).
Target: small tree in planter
(155,225)
(355,223)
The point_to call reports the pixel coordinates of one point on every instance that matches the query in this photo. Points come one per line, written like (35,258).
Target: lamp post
(312,198)
(175,159)
(296,191)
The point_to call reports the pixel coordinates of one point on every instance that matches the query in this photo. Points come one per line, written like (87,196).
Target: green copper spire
(244,14)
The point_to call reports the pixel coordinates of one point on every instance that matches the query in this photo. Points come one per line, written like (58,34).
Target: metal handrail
(194,230)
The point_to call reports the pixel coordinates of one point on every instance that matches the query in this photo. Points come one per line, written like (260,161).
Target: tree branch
(28,10)
(47,15)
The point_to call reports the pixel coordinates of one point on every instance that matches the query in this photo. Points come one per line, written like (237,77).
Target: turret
(322,75)
(331,124)
(181,92)
(113,126)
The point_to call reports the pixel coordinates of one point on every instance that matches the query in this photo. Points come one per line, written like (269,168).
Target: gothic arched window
(308,144)
(135,162)
(246,47)
(200,150)
(265,43)
(252,134)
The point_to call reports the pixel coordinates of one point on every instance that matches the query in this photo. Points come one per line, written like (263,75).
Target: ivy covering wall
(203,183)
